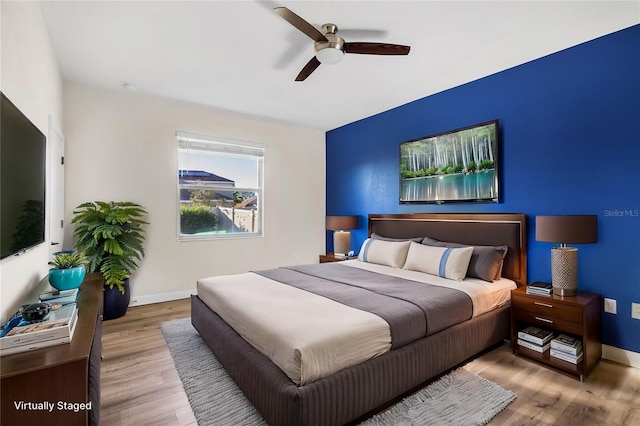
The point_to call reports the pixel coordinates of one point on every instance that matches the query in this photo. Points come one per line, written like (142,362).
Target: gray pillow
(486,261)
(375,236)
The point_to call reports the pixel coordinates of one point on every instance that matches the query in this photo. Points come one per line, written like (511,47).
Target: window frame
(221,146)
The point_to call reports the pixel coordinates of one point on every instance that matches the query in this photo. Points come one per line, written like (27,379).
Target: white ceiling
(240,56)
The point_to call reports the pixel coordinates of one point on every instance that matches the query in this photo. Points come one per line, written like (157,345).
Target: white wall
(31,80)
(121,146)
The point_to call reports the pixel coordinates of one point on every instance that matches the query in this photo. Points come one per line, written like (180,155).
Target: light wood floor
(140,385)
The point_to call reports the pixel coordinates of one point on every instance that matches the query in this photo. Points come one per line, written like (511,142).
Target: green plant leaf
(111,235)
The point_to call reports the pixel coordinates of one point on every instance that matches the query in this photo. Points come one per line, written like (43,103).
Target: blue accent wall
(569,144)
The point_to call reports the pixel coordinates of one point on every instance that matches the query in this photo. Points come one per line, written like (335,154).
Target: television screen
(22,181)
(456,166)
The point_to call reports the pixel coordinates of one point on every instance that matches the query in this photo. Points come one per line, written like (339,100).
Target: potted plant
(111,236)
(68,270)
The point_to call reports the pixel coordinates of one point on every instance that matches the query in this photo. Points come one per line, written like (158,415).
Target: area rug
(457,398)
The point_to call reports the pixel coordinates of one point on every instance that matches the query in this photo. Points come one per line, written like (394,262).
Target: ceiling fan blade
(308,69)
(376,48)
(300,24)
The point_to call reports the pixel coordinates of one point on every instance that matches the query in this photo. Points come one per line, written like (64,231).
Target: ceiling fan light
(329,55)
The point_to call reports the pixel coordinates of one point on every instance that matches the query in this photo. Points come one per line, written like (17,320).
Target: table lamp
(341,235)
(582,229)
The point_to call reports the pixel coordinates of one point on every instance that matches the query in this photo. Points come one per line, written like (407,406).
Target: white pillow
(389,253)
(444,262)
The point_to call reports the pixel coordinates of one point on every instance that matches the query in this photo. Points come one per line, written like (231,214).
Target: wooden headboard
(488,229)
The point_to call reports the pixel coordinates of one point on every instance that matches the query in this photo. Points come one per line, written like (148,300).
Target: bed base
(352,392)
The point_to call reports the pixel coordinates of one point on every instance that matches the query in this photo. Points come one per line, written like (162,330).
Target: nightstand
(578,316)
(329,257)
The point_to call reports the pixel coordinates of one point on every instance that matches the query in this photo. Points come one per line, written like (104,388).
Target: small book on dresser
(567,344)
(59,296)
(540,288)
(535,335)
(574,359)
(533,346)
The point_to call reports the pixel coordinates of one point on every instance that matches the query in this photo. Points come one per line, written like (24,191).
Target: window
(220,188)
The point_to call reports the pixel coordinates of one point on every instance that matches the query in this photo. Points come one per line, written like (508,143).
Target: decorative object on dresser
(578,317)
(69,269)
(341,225)
(35,312)
(581,229)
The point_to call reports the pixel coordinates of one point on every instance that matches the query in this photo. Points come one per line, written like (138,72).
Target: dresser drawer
(550,309)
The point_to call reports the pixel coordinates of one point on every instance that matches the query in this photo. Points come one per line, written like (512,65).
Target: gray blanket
(412,309)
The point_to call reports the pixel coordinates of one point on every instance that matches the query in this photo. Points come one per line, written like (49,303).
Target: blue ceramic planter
(67,279)
(116,303)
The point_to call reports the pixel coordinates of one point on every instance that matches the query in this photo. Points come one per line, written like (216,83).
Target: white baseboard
(161,297)
(622,356)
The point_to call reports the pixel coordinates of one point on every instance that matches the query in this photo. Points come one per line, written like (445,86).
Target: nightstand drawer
(548,321)
(549,309)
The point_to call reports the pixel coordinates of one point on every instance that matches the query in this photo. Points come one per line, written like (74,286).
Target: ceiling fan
(330,48)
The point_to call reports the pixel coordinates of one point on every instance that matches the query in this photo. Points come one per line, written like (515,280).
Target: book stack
(566,348)
(56,328)
(535,338)
(59,296)
(539,288)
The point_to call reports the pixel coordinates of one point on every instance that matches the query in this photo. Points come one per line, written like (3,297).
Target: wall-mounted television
(460,165)
(23,156)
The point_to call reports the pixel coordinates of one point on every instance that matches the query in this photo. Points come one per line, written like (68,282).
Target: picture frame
(460,165)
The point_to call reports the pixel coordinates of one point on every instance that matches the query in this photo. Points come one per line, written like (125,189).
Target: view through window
(220,185)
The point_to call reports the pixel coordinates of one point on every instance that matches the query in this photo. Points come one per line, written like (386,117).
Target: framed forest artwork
(456,166)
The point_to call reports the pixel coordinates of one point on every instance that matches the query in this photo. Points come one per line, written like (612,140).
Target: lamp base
(341,242)
(565,292)
(564,271)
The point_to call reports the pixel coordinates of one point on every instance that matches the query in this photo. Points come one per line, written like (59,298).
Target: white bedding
(309,336)
(486,296)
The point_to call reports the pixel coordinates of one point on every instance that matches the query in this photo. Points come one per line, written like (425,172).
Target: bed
(356,390)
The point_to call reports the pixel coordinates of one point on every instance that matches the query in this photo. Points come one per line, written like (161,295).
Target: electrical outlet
(635,310)
(610,306)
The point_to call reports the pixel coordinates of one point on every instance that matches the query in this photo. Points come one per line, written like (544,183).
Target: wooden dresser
(65,375)
(577,316)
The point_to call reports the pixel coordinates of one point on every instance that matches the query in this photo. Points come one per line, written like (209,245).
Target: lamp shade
(579,229)
(340,223)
